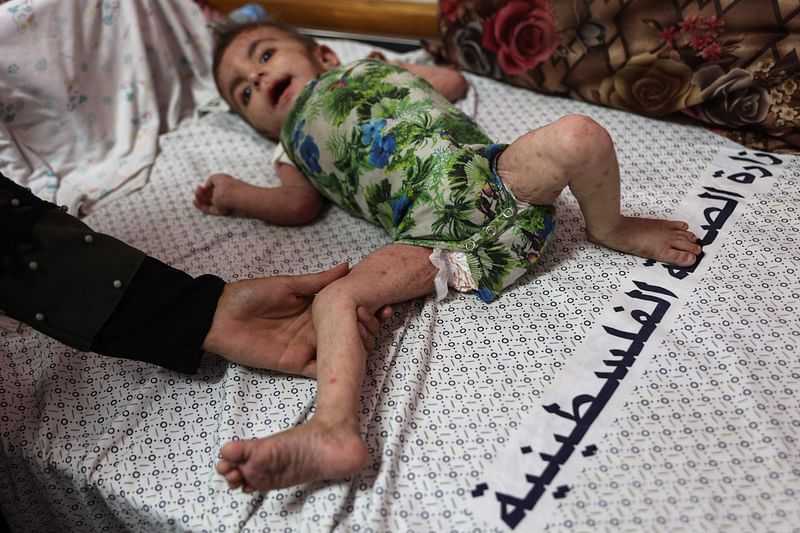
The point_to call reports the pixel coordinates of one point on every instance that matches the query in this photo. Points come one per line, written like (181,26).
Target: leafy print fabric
(385,146)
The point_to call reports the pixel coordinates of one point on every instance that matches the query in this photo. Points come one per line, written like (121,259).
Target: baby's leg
(578,152)
(330,446)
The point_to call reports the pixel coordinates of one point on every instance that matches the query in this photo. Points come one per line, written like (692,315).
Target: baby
(383,142)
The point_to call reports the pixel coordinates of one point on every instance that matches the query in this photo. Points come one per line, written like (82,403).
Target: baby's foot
(667,241)
(309,452)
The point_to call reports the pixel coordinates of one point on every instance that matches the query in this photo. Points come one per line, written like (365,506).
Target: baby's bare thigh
(392,274)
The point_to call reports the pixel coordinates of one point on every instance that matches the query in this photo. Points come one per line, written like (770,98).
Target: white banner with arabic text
(534,471)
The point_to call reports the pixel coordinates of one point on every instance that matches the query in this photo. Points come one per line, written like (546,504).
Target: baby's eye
(265,56)
(246,95)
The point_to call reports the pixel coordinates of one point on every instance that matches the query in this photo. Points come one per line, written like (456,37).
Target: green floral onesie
(385,146)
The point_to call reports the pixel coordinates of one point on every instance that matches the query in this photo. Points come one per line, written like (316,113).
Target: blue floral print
(399,209)
(298,133)
(382,150)
(309,151)
(371,131)
(487,295)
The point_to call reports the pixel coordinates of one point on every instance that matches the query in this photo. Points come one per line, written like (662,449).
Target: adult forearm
(94,292)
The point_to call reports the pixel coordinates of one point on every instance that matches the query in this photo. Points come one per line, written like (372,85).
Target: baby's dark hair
(226,32)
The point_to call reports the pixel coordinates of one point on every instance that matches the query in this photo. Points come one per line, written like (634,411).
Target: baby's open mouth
(277,90)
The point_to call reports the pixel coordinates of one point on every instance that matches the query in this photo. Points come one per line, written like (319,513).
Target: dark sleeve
(93,292)
(163,318)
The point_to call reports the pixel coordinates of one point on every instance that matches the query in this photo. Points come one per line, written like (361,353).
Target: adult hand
(266,322)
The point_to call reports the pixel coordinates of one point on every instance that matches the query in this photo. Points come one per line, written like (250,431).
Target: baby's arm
(448,81)
(294,202)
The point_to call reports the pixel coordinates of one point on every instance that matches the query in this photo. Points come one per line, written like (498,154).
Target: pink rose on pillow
(449,9)
(522,33)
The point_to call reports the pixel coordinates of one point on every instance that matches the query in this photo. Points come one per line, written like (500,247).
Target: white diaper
(453,272)
(453,268)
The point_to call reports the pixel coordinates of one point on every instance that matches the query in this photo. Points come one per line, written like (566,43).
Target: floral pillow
(731,65)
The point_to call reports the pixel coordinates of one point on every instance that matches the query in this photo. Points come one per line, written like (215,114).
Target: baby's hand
(375,54)
(211,197)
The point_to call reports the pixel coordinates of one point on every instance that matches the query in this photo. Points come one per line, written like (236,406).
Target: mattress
(703,436)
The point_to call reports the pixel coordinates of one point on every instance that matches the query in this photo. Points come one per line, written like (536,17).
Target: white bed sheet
(706,441)
(87,87)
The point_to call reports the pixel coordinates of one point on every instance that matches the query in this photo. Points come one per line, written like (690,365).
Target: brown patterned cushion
(731,64)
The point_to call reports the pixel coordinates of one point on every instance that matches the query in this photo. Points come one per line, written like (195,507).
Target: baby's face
(263,71)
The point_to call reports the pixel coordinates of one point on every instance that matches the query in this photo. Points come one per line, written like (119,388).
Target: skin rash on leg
(330,446)
(577,152)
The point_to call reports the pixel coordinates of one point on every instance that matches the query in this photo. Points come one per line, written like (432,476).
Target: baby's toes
(677,224)
(686,244)
(679,258)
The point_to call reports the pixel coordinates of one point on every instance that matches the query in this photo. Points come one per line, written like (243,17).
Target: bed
(477,416)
